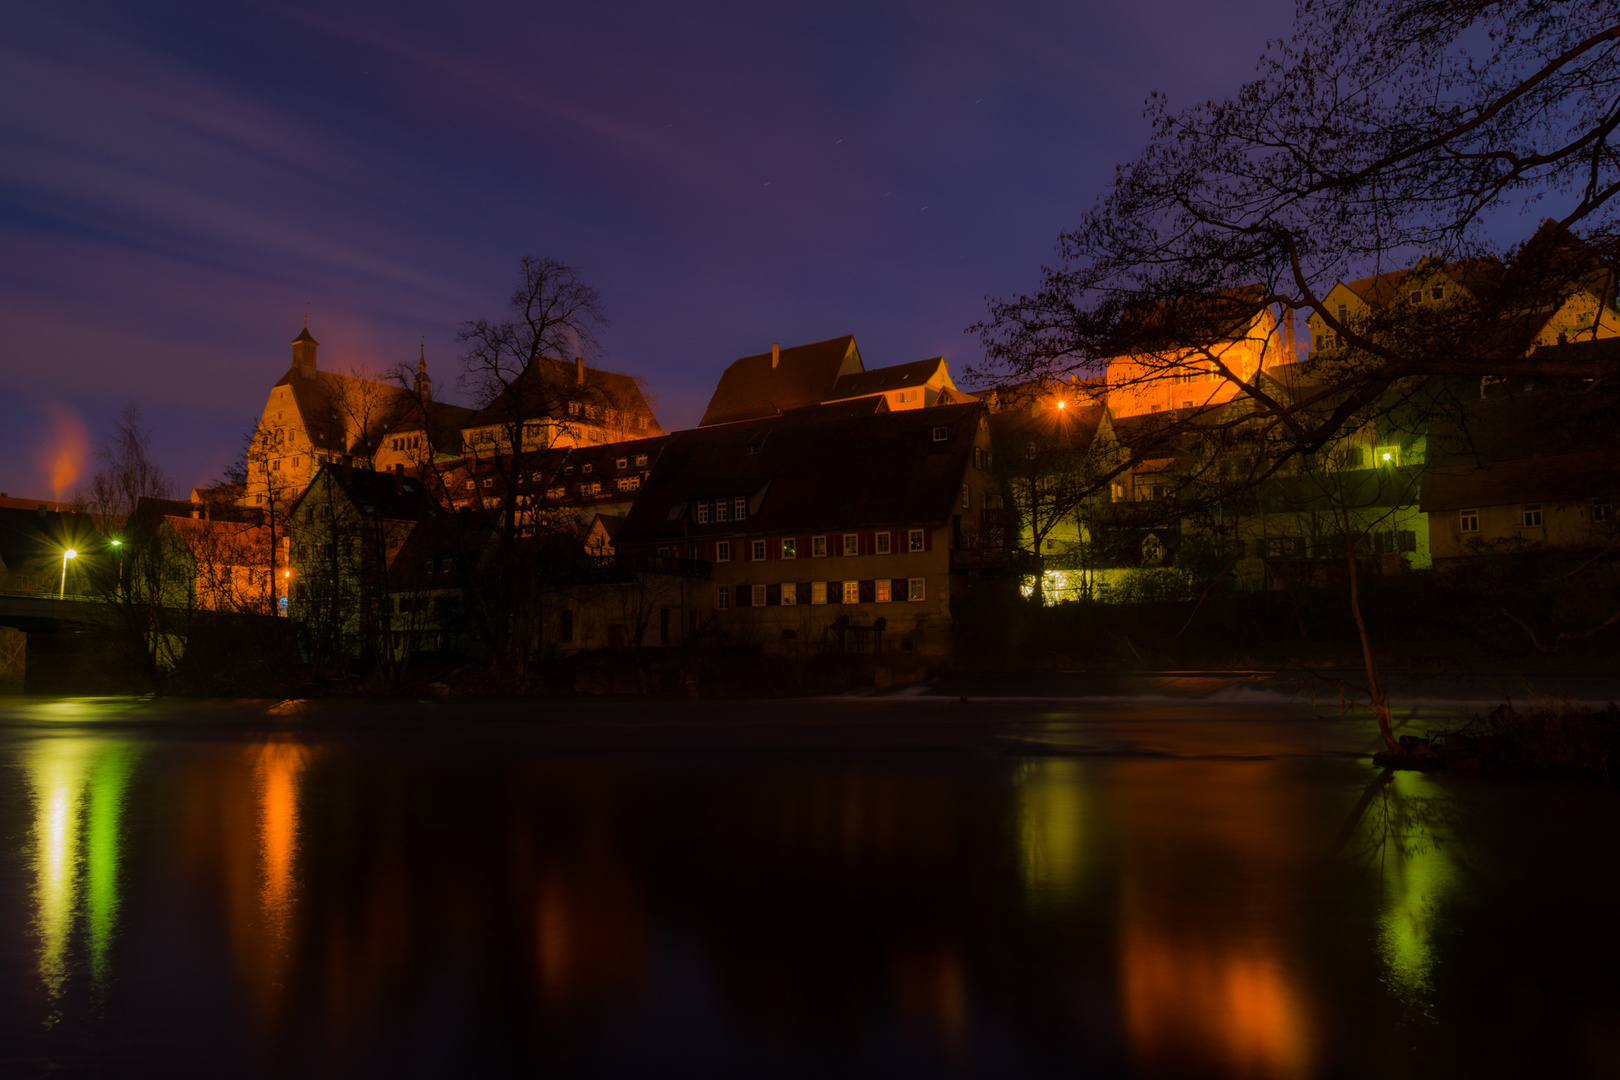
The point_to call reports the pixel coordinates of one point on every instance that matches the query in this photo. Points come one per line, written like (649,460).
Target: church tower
(424,384)
(303,347)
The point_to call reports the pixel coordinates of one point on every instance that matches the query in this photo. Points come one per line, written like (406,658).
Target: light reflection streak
(1051,828)
(277,769)
(77,841)
(1418,878)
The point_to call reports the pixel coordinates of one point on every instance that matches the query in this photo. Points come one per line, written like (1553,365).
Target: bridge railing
(52,594)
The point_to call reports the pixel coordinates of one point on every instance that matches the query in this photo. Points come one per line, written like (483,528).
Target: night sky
(177,181)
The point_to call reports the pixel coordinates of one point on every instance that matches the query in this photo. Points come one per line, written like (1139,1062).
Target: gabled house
(772,383)
(345,531)
(554,403)
(828,527)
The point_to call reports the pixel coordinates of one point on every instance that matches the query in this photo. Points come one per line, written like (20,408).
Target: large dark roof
(378,494)
(548,384)
(881,380)
(841,466)
(804,375)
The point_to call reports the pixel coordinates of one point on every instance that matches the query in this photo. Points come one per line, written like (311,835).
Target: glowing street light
(61,593)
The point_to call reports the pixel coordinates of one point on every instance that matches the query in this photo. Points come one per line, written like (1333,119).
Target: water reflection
(277,767)
(1411,846)
(1207,982)
(78,788)
(404,906)
(1052,821)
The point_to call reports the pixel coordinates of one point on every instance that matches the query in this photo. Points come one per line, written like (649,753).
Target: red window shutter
(928,539)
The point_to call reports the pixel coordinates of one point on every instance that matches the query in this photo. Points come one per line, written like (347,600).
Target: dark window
(941,434)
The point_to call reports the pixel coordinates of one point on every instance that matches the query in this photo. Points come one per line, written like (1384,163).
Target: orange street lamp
(1062,404)
(61,593)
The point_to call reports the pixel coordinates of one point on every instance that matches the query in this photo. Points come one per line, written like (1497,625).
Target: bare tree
(128,472)
(528,398)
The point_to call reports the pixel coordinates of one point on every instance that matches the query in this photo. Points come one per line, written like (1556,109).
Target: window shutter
(742,596)
(773,595)
(928,539)
(868,591)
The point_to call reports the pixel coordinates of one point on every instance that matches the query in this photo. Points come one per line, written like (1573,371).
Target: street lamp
(66,555)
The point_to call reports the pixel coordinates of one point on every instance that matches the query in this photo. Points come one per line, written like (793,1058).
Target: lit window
(739,509)
(790,548)
(916,540)
(916,590)
(883,540)
(1532,517)
(1469,520)
(722,551)
(790,594)
(759,596)
(759,551)
(883,590)
(818,547)
(852,544)
(852,592)
(703,513)
(723,598)
(818,592)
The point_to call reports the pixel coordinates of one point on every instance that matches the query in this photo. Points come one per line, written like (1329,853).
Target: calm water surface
(1149,888)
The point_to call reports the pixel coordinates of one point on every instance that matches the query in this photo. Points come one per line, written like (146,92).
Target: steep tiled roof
(1381,288)
(546,386)
(881,380)
(332,403)
(804,375)
(838,466)
(377,494)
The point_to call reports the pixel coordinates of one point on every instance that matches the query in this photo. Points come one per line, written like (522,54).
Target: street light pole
(61,593)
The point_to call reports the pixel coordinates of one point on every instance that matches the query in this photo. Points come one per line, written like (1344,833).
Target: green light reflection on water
(79,787)
(1419,876)
(1052,824)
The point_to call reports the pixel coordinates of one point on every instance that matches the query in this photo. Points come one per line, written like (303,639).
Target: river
(1173,883)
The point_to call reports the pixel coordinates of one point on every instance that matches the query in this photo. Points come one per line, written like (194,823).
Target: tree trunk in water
(1375,690)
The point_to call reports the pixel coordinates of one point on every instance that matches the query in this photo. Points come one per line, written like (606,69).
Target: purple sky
(178,179)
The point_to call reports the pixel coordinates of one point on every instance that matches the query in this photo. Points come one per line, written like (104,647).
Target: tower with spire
(303,351)
(424,384)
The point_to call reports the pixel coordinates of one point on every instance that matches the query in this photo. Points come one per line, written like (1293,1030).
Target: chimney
(579,370)
(776,355)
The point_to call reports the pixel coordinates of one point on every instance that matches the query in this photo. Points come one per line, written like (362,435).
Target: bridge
(54,613)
